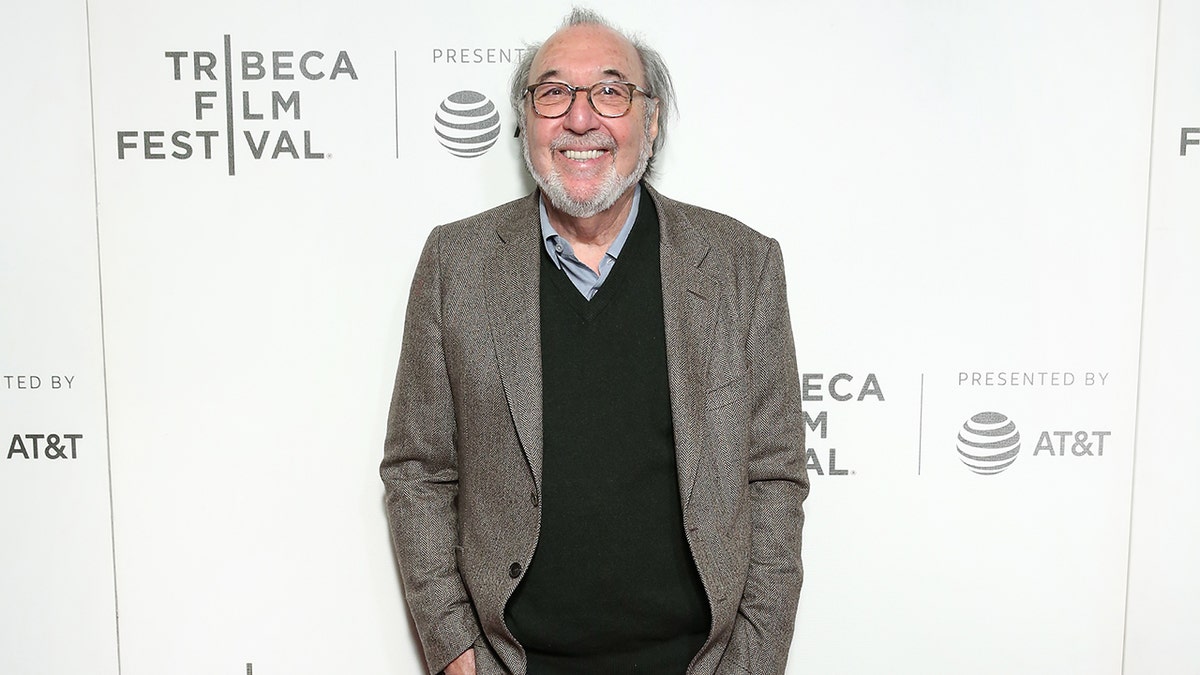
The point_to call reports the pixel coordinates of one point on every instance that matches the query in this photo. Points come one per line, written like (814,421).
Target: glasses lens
(551,98)
(611,99)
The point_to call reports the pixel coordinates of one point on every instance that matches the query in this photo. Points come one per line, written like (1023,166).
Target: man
(594,460)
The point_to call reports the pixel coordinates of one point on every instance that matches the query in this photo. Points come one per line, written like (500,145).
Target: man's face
(584,162)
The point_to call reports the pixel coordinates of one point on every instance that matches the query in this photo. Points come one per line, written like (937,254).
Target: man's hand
(463,665)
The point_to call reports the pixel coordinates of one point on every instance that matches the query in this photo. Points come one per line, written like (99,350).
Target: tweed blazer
(462,463)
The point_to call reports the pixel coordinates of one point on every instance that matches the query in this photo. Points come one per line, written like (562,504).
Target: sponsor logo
(44,446)
(989,443)
(246,106)
(1079,443)
(467,123)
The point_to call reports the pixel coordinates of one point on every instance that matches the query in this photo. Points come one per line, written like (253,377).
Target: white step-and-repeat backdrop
(210,215)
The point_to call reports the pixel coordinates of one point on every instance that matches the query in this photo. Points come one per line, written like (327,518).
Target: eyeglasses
(608,99)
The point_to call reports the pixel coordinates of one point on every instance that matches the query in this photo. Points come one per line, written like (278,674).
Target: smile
(582,154)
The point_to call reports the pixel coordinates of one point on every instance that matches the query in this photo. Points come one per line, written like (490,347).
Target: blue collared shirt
(563,256)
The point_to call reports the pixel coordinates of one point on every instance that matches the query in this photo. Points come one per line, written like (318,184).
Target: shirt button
(558,247)
(514,570)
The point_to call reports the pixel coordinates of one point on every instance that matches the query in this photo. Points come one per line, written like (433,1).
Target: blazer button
(533,498)
(514,570)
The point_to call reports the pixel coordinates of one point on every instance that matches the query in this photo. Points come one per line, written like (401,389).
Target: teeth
(582,154)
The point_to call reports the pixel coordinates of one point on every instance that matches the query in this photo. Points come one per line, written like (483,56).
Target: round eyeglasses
(609,99)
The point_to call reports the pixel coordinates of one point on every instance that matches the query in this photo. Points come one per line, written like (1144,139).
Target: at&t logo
(989,443)
(44,446)
(467,123)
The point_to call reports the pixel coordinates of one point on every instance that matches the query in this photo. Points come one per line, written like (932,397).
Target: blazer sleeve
(763,627)
(420,475)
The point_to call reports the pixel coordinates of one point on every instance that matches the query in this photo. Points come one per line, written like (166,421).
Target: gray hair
(658,78)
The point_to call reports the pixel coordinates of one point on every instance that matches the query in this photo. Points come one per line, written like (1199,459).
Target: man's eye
(550,92)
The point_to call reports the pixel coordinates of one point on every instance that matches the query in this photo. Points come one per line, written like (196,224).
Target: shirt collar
(550,235)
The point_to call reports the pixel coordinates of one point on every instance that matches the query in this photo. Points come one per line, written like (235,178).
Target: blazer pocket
(728,393)
(486,661)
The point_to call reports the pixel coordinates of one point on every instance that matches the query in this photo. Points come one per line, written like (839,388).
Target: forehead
(586,54)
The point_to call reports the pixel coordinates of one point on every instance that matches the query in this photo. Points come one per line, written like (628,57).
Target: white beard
(608,192)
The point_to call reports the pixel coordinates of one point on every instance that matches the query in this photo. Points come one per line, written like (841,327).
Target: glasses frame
(575,90)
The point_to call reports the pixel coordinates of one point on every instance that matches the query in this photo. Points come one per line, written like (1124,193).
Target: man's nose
(581,118)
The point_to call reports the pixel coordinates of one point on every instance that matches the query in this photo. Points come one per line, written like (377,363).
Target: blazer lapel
(689,312)
(515,319)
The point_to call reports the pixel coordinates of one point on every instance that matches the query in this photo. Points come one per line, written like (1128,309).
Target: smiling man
(594,460)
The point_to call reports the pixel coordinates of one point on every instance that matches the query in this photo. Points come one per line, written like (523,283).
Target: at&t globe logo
(988,443)
(467,123)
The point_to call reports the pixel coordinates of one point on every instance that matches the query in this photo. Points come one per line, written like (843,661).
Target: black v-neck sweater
(612,587)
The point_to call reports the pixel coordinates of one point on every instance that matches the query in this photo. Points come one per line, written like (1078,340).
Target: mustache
(594,138)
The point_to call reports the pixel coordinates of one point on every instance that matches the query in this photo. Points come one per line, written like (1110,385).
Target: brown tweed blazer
(463,456)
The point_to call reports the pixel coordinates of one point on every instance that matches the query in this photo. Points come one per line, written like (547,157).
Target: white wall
(57,607)
(1164,616)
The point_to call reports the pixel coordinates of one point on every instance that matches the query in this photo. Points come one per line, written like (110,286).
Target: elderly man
(594,459)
